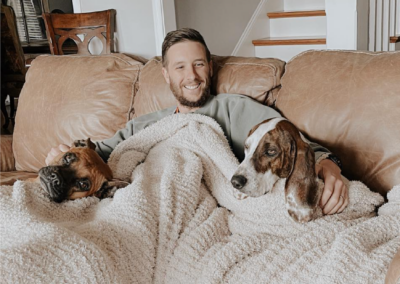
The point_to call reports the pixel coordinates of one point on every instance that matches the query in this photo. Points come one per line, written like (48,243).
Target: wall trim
(248,28)
(76,6)
(164,20)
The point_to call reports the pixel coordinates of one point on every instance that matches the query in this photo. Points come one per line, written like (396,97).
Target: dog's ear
(289,156)
(84,143)
(301,189)
(110,187)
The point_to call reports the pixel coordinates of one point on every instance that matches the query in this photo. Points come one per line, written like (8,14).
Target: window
(30,24)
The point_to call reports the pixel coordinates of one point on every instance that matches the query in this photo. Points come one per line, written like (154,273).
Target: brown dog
(78,173)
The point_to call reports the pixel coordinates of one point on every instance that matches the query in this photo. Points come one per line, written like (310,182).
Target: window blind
(29,19)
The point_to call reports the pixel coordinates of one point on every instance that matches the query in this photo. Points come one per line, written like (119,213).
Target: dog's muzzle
(238,181)
(53,182)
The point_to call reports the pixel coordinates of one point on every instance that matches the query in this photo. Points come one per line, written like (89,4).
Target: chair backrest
(12,55)
(60,27)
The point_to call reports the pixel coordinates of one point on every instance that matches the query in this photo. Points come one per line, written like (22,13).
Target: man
(187,68)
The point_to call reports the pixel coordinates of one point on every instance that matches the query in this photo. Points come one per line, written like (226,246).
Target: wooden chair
(60,27)
(13,67)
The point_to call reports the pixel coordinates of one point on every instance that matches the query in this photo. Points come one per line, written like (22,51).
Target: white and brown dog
(275,149)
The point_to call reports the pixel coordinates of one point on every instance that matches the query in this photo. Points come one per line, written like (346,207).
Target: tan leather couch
(347,101)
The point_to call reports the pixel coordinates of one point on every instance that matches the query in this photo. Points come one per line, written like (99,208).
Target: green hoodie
(236,114)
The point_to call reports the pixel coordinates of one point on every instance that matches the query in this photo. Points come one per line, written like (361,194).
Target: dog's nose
(51,174)
(54,178)
(238,181)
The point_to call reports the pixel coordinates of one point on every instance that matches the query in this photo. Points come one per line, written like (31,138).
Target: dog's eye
(84,185)
(246,146)
(271,152)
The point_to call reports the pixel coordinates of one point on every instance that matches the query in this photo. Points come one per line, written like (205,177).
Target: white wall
(135,32)
(341,29)
(221,22)
(294,5)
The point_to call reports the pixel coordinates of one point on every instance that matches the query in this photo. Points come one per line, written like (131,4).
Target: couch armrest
(393,274)
(7,161)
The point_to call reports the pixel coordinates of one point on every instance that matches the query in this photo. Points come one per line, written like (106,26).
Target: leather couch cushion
(253,77)
(7,161)
(393,274)
(8,178)
(72,97)
(349,102)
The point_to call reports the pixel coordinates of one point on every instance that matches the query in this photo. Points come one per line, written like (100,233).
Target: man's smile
(192,87)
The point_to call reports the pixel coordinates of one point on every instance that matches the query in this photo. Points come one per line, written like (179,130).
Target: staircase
(292,32)
(285,28)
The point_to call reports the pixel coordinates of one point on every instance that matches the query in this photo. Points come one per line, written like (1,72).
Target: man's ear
(110,187)
(84,143)
(166,75)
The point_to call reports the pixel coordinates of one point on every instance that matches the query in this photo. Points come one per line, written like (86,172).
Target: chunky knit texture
(167,227)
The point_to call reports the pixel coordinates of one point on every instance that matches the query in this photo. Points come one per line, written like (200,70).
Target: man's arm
(105,147)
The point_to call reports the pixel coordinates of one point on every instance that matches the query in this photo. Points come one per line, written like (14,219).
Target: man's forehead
(182,51)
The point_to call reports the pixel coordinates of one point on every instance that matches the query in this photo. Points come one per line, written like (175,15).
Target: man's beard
(177,91)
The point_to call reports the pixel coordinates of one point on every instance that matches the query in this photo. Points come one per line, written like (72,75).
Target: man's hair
(181,35)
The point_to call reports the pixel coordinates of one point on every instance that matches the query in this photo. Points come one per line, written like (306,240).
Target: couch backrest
(72,97)
(350,103)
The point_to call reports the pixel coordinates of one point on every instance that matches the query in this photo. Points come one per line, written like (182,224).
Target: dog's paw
(84,143)
(109,188)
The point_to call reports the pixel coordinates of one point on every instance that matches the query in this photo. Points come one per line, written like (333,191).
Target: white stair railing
(384,22)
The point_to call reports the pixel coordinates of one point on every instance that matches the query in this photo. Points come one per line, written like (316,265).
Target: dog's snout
(238,181)
(52,174)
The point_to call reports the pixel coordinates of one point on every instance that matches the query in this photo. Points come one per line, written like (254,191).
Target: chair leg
(12,110)
(4,110)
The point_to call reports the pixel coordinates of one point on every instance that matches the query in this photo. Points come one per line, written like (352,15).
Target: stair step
(290,40)
(295,14)
(394,39)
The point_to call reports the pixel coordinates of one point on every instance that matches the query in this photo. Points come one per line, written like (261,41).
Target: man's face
(188,73)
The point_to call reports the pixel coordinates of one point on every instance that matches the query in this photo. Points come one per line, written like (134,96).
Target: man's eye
(199,64)
(179,67)
(84,185)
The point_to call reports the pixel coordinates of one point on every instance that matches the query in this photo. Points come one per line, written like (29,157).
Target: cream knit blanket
(167,227)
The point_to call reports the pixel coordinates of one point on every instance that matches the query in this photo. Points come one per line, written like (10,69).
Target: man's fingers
(64,148)
(346,199)
(55,151)
(328,191)
(337,199)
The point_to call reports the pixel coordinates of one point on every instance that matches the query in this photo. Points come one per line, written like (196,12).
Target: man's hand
(54,152)
(335,196)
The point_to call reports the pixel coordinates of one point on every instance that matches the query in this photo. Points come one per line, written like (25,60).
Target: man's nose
(191,73)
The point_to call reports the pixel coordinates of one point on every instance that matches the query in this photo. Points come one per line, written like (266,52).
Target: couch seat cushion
(8,178)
